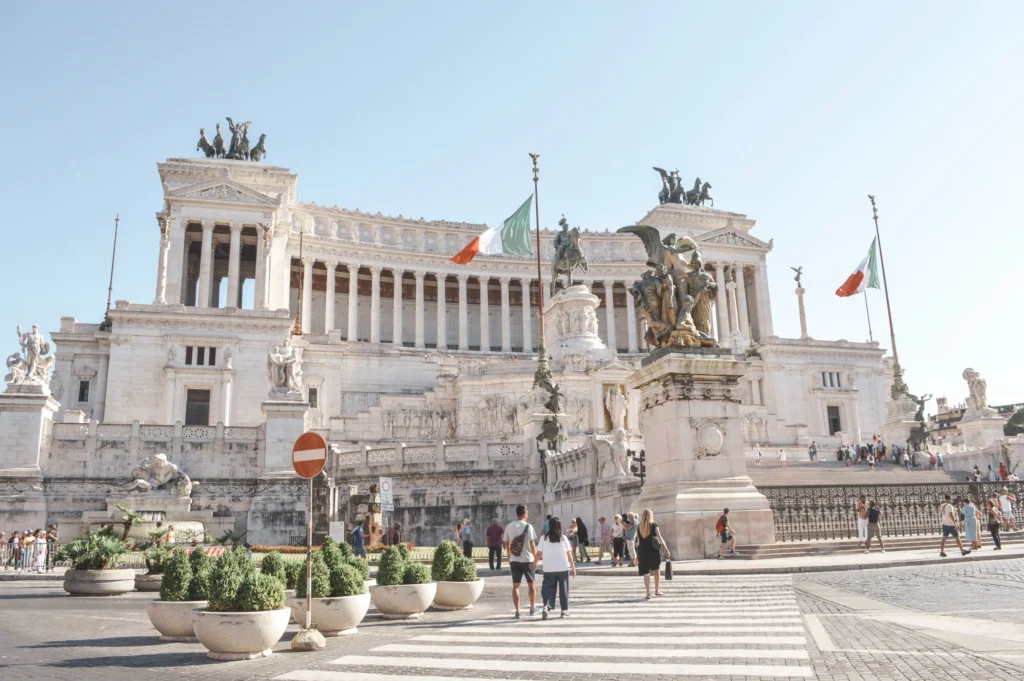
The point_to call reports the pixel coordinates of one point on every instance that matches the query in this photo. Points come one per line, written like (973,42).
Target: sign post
(309,456)
(387,504)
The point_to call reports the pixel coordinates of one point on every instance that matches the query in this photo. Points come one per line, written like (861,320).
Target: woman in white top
(556,551)
(782,457)
(618,541)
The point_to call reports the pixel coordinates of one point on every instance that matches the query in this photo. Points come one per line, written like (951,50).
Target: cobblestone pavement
(897,623)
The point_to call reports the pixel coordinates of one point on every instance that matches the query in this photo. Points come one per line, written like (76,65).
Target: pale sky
(793,111)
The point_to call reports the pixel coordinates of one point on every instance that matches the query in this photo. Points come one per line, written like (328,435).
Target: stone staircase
(812,473)
(834,547)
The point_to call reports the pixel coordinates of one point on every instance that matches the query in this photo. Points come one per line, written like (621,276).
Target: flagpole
(106,324)
(540,279)
(871,336)
(898,386)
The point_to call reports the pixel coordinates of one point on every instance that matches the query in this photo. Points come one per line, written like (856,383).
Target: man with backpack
(521,546)
(950,521)
(725,531)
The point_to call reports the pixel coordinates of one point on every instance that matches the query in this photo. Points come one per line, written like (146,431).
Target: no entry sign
(309,455)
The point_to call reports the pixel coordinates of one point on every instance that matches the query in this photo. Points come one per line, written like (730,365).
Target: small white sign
(337,531)
(387,496)
(387,508)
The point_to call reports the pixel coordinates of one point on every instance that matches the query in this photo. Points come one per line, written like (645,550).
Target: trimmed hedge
(177,577)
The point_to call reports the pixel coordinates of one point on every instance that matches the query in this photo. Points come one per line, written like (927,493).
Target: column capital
(463,278)
(397,273)
(608,283)
(332,265)
(208,225)
(419,274)
(505,280)
(235,227)
(307,261)
(375,270)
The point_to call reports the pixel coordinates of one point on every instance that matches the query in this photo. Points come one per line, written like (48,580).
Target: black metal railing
(829,511)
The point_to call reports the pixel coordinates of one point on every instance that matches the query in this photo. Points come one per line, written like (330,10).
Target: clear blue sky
(794,112)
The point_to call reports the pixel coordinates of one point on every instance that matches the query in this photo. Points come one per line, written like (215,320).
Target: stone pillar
(234,254)
(353,302)
(285,422)
(332,272)
(527,322)
(26,424)
(442,318)
(734,311)
(764,305)
(609,314)
(720,303)
(161,268)
(463,312)
(177,271)
(419,340)
(206,265)
(631,322)
(225,415)
(506,317)
(307,294)
(485,327)
(803,314)
(396,322)
(375,303)
(262,268)
(741,289)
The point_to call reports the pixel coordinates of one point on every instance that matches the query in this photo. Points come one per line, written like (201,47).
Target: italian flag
(864,277)
(512,237)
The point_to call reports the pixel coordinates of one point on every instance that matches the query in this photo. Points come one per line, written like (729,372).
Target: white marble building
(412,364)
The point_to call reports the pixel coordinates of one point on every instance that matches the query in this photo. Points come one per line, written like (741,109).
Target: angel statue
(799,273)
(239,146)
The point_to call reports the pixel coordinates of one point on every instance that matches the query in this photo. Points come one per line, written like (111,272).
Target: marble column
(206,265)
(609,314)
(803,313)
(442,312)
(396,322)
(463,312)
(375,304)
(734,312)
(741,290)
(631,322)
(234,255)
(485,326)
(764,306)
(259,294)
(161,268)
(720,305)
(176,273)
(307,294)
(226,380)
(332,272)
(352,333)
(527,321)
(419,341)
(506,317)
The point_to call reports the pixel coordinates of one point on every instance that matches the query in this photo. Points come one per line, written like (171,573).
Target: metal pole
(871,336)
(885,282)
(309,558)
(105,326)
(540,280)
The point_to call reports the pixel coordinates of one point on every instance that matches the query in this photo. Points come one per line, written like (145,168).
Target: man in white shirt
(950,520)
(1006,502)
(521,545)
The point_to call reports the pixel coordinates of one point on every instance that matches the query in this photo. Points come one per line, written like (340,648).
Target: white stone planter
(239,635)
(99,582)
(457,595)
(403,601)
(332,616)
(148,582)
(173,619)
(367,583)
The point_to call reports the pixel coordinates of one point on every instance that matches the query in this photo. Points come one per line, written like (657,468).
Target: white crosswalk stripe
(753,629)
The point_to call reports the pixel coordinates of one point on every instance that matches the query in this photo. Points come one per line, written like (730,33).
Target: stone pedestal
(277,516)
(693,434)
(26,425)
(570,326)
(154,506)
(981,427)
(899,421)
(286,421)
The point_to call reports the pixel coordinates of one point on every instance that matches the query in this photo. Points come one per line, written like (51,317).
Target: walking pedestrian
(1006,502)
(544,525)
(994,523)
(458,533)
(1002,471)
(629,537)
(28,545)
(977,474)
(757,455)
(606,539)
(14,552)
(906,461)
(618,541)
(862,519)
(649,548)
(874,529)
(359,541)
(583,540)
(938,460)
(871,461)
(467,539)
(556,551)
(39,559)
(571,535)
(395,535)
(971,518)
(169,538)
(948,514)
(782,460)
(725,532)
(992,474)
(521,548)
(494,534)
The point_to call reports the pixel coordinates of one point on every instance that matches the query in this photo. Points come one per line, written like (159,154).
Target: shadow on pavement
(182,659)
(113,642)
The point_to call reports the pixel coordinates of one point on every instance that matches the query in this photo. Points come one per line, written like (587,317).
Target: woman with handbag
(649,547)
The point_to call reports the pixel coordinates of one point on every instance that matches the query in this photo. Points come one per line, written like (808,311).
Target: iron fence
(829,511)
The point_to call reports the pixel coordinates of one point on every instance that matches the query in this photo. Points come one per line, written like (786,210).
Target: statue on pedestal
(284,370)
(672,190)
(155,473)
(615,403)
(978,387)
(30,366)
(568,256)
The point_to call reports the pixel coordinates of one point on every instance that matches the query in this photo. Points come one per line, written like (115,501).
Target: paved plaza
(953,621)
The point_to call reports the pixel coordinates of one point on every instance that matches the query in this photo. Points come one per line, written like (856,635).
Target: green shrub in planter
(346,581)
(464,570)
(273,565)
(259,593)
(404,550)
(294,569)
(391,570)
(444,561)
(361,565)
(331,553)
(156,560)
(239,556)
(321,579)
(346,550)
(177,577)
(202,568)
(416,573)
(92,551)
(225,579)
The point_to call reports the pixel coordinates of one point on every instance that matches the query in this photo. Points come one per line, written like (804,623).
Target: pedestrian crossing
(743,627)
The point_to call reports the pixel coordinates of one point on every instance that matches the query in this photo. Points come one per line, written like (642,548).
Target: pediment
(223,190)
(727,236)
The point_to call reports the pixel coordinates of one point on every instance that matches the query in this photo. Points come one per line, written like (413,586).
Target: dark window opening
(213,357)
(188,354)
(314,396)
(197,407)
(83,391)
(834,423)
(200,355)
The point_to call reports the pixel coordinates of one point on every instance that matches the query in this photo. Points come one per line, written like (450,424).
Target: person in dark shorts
(649,547)
(874,529)
(521,546)
(727,535)
(950,520)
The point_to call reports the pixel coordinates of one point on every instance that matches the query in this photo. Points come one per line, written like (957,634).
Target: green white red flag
(512,237)
(864,277)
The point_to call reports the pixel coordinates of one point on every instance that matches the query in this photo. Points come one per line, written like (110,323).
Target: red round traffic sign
(309,455)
